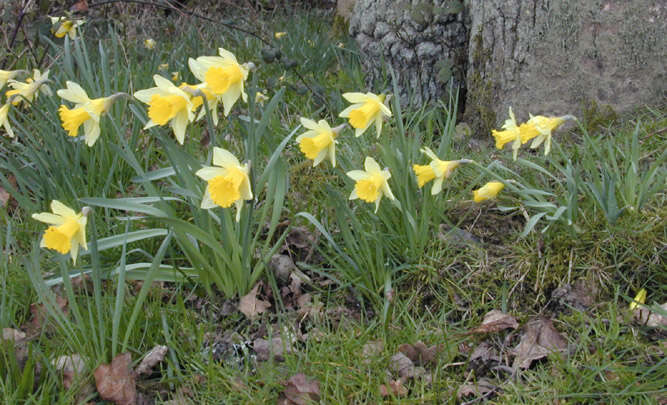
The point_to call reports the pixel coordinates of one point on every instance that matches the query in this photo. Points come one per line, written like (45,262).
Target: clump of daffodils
(488,191)
(228,182)
(371,184)
(67,233)
(86,112)
(26,92)
(167,104)
(319,142)
(223,76)
(437,169)
(366,109)
(63,26)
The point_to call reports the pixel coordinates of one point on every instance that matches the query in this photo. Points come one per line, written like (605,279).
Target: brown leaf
(282,266)
(80,6)
(155,356)
(539,338)
(395,388)
(276,347)
(495,321)
(13,334)
(401,364)
(645,316)
(251,306)
(581,296)
(482,388)
(4,197)
(115,382)
(71,366)
(419,353)
(39,314)
(300,238)
(300,391)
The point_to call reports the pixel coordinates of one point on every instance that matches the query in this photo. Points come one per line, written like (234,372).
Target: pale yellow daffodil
(149,43)
(63,26)
(437,169)
(260,98)
(488,191)
(371,184)
(540,127)
(86,111)
(67,232)
(228,182)
(167,104)
(366,109)
(26,92)
(223,75)
(510,133)
(4,119)
(7,75)
(319,142)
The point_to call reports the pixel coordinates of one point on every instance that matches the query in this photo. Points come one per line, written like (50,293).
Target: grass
(427,270)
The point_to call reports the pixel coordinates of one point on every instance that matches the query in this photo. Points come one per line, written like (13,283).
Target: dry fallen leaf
(419,353)
(401,364)
(13,334)
(370,350)
(495,321)
(282,266)
(251,306)
(276,347)
(4,197)
(581,295)
(300,391)
(155,356)
(539,338)
(115,382)
(395,388)
(482,388)
(39,314)
(71,366)
(645,316)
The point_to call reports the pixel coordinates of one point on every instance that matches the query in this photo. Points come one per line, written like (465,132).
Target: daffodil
(86,111)
(488,191)
(539,127)
(278,35)
(367,109)
(4,120)
(510,133)
(223,75)
(437,169)
(228,183)
(197,94)
(371,184)
(149,43)
(63,26)
(163,66)
(167,104)
(67,232)
(640,298)
(6,75)
(260,98)
(319,142)
(28,91)
(175,76)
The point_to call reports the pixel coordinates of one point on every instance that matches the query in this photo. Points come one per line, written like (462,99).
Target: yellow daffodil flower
(175,76)
(67,232)
(511,133)
(278,35)
(540,127)
(228,183)
(167,104)
(640,299)
(437,169)
(223,75)
(63,26)
(195,91)
(371,183)
(319,142)
(260,98)
(488,191)
(163,66)
(4,120)
(86,111)
(7,75)
(28,91)
(149,43)
(367,109)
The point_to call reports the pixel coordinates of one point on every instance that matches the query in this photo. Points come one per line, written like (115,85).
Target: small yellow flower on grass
(371,183)
(510,133)
(640,298)
(437,169)
(67,232)
(149,43)
(260,98)
(26,92)
(7,75)
(367,109)
(63,26)
(4,120)
(167,104)
(86,111)
(319,142)
(540,127)
(488,191)
(223,75)
(228,183)
(278,35)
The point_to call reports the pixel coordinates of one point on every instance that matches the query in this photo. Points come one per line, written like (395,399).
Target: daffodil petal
(48,218)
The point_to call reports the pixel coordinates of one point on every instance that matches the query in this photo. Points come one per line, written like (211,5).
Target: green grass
(427,270)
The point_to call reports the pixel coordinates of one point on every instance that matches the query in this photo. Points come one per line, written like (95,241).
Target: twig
(17,27)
